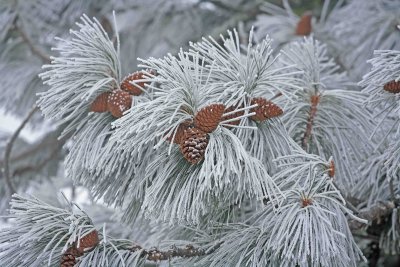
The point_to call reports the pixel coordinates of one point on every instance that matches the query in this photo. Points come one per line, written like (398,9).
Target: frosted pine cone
(131,88)
(180,132)
(392,87)
(68,259)
(88,241)
(118,102)
(304,27)
(100,103)
(208,118)
(193,145)
(265,109)
(232,116)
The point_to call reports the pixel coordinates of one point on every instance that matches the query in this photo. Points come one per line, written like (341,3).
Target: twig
(35,50)
(8,150)
(310,123)
(187,252)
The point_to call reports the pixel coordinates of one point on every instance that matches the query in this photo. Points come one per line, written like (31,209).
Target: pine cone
(100,103)
(180,132)
(68,259)
(331,170)
(232,116)
(118,102)
(304,27)
(88,241)
(131,88)
(392,87)
(265,109)
(208,118)
(193,145)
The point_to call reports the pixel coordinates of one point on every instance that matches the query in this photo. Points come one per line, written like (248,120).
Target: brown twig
(188,251)
(8,150)
(313,111)
(35,50)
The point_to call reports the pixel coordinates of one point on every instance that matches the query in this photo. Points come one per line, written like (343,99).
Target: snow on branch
(50,235)
(241,70)
(41,230)
(88,64)
(327,118)
(87,67)
(382,84)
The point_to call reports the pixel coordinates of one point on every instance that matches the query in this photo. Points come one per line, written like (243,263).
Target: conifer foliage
(272,145)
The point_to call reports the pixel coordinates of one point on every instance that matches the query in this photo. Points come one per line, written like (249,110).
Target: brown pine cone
(265,109)
(232,116)
(193,145)
(180,132)
(118,102)
(100,103)
(131,88)
(392,87)
(208,118)
(68,259)
(331,169)
(304,27)
(88,241)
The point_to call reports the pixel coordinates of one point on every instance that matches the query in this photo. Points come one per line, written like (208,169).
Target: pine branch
(48,233)
(8,150)
(186,252)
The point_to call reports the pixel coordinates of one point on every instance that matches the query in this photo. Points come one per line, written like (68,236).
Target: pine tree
(274,141)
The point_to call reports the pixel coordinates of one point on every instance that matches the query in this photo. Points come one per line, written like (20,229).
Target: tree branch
(313,111)
(8,150)
(187,252)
